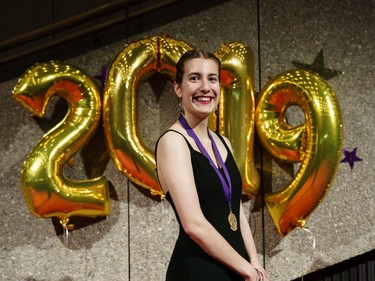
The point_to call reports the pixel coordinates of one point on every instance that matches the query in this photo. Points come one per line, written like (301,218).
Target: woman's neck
(199,126)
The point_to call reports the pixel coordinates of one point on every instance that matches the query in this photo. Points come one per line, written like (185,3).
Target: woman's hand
(262,273)
(253,275)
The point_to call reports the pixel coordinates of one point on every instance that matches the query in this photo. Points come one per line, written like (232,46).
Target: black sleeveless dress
(189,262)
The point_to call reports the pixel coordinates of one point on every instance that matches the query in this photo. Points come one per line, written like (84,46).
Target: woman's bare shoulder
(173,139)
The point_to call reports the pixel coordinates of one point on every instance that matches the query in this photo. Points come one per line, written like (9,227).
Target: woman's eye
(194,78)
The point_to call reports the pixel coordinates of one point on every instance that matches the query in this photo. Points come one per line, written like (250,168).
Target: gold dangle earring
(180,107)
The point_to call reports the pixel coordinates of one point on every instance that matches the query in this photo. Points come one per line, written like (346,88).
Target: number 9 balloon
(47,191)
(316,143)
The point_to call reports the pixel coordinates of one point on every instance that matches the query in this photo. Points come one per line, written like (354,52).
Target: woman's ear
(177,89)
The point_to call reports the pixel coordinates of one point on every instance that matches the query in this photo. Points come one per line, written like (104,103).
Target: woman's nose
(205,86)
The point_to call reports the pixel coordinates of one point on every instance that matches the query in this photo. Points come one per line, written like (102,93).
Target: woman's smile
(203,99)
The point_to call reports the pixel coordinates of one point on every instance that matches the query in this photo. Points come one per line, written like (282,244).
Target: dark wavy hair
(193,54)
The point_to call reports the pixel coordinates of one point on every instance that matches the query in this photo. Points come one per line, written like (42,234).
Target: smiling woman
(199,90)
(200,178)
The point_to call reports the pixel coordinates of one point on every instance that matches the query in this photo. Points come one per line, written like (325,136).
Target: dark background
(28,32)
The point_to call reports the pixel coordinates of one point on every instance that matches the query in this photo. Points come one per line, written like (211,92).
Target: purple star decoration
(102,77)
(350,157)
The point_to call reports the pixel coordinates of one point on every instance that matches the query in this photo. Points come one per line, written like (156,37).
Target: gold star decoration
(318,67)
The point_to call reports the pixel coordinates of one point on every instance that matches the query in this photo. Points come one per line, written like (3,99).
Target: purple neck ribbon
(226,184)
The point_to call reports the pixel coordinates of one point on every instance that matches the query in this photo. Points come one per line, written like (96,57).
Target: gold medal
(232,220)
(226,183)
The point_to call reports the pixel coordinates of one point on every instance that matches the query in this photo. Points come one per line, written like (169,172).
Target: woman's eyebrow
(200,74)
(194,73)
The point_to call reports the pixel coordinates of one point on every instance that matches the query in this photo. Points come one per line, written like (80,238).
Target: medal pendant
(232,221)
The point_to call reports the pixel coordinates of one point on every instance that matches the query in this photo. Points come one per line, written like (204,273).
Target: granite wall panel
(136,240)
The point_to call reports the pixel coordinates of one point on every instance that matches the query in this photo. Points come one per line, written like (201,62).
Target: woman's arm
(176,176)
(248,238)
(250,245)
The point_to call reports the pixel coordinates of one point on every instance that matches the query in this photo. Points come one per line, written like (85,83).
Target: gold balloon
(131,67)
(316,143)
(237,107)
(47,191)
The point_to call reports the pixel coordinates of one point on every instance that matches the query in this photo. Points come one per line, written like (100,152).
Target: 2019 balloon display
(47,191)
(316,143)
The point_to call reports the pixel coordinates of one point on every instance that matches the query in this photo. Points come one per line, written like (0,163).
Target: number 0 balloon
(132,66)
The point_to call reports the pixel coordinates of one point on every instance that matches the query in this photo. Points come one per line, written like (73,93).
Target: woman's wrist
(260,274)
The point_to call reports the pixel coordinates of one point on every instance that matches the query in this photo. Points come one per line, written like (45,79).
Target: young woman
(199,176)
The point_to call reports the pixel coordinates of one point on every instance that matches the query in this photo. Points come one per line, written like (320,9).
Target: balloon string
(66,236)
(313,242)
(313,237)
(165,209)
(66,227)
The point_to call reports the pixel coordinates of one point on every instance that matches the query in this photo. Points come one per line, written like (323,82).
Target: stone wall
(136,240)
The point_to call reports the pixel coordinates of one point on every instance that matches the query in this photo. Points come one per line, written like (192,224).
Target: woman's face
(200,87)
